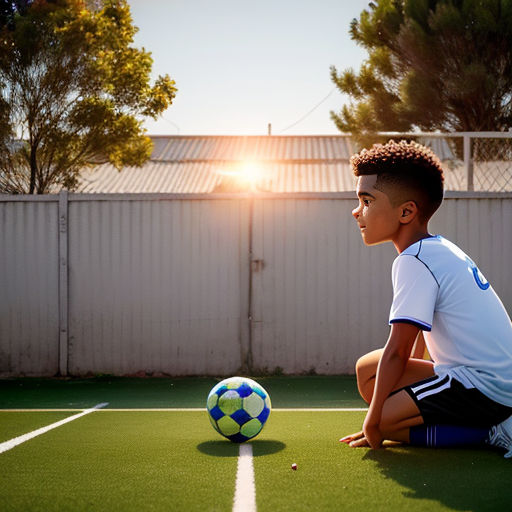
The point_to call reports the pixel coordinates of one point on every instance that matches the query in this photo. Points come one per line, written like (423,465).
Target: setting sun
(251,173)
(244,176)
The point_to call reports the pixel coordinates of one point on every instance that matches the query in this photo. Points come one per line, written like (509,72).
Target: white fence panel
(160,283)
(322,298)
(156,286)
(29,279)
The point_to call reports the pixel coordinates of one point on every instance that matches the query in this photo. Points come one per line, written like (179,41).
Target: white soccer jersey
(437,287)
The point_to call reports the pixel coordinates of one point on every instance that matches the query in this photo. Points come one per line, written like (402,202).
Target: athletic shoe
(501,436)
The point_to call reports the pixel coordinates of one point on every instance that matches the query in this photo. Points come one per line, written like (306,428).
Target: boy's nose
(355,212)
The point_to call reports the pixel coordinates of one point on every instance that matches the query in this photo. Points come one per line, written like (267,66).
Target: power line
(309,112)
(172,123)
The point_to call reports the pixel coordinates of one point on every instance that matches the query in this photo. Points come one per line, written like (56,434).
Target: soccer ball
(238,408)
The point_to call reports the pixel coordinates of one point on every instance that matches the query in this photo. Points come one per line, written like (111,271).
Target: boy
(463,396)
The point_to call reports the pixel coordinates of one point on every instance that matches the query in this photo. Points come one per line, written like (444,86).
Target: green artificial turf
(310,391)
(112,460)
(333,476)
(121,461)
(16,424)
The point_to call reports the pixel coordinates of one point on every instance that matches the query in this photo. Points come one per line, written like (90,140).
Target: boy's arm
(391,367)
(418,351)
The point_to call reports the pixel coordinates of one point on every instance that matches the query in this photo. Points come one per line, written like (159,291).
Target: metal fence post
(63,283)
(468,161)
(247,356)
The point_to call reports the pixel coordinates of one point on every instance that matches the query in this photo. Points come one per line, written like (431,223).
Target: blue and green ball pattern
(238,408)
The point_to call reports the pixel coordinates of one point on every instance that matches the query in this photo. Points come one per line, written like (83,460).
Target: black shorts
(443,400)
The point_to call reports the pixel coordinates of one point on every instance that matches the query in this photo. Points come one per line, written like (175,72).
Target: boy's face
(377,218)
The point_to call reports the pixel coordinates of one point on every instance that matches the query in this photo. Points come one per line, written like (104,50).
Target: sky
(240,65)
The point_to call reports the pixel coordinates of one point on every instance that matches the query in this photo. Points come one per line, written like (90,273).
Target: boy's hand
(371,428)
(361,440)
(370,436)
(373,436)
(352,437)
(357,440)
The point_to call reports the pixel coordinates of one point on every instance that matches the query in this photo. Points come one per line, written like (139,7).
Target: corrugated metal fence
(209,284)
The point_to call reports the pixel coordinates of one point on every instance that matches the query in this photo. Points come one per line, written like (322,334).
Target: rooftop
(220,163)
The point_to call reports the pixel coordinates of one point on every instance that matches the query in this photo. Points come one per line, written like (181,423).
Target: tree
(432,65)
(75,92)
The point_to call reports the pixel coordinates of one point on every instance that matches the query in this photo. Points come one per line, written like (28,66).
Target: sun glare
(250,173)
(247,175)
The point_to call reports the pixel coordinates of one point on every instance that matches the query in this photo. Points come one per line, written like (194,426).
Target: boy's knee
(366,366)
(359,366)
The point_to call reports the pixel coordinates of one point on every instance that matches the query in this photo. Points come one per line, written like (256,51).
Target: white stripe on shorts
(432,387)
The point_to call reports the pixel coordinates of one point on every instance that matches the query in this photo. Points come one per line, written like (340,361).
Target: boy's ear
(408,212)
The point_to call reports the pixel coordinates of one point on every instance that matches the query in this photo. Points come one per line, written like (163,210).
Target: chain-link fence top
(489,168)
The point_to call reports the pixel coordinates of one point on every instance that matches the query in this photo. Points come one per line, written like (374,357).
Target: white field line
(196,409)
(245,490)
(8,445)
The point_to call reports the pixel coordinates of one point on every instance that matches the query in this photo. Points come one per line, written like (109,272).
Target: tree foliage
(74,92)
(432,64)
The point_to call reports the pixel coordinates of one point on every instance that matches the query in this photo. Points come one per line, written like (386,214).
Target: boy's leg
(454,415)
(366,369)
(399,414)
(400,411)
(402,421)
(401,418)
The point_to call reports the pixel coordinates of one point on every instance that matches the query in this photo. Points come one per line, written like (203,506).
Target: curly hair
(405,171)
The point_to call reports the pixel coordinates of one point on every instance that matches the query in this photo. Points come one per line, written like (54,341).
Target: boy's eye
(366,202)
